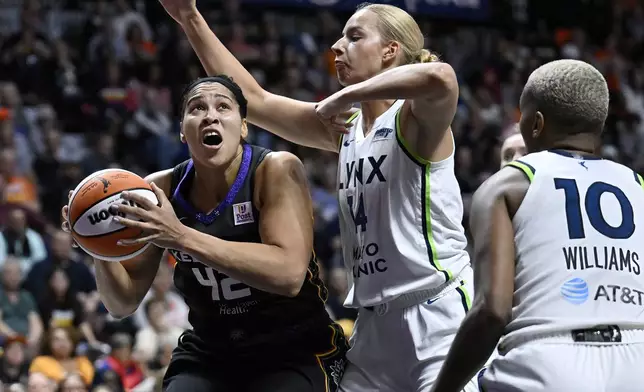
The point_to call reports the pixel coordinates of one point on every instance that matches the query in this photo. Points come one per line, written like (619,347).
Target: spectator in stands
(11,100)
(39,382)
(60,307)
(72,383)
(155,341)
(10,137)
(14,366)
(18,311)
(121,363)
(513,146)
(58,357)
(17,188)
(21,242)
(176,310)
(81,280)
(149,130)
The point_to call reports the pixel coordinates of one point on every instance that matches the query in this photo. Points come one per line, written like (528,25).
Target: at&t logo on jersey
(243,213)
(575,291)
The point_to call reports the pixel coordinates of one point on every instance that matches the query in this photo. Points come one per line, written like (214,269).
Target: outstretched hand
(159,222)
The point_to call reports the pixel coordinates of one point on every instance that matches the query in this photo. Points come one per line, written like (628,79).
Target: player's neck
(215,183)
(579,143)
(371,110)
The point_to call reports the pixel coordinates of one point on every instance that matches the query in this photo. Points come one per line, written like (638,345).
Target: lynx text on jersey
(610,258)
(363,171)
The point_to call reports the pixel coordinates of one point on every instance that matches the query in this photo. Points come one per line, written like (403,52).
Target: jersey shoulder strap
(259,154)
(177,175)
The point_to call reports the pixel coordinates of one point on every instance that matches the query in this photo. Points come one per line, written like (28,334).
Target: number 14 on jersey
(358,213)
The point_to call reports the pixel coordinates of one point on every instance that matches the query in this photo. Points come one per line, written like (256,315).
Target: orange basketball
(92,220)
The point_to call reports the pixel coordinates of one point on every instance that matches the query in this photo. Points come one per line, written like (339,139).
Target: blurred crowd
(90,85)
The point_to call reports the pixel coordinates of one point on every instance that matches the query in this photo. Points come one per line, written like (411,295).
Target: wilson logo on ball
(99,216)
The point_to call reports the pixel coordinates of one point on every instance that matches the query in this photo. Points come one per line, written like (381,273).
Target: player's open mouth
(212,139)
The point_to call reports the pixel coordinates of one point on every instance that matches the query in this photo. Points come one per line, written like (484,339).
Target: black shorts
(301,372)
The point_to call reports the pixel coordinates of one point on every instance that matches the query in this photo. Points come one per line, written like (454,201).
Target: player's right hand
(180,10)
(64,213)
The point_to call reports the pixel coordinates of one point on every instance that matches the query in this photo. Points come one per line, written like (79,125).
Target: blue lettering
(593,209)
(355,171)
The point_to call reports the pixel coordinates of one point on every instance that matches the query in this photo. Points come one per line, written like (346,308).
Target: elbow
(291,288)
(441,79)
(292,283)
(496,316)
(121,311)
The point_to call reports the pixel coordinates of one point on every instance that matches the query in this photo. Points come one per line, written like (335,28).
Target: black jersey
(225,313)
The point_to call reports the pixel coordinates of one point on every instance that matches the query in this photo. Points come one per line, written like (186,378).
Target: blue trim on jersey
(207,219)
(479,378)
(464,300)
(425,215)
(568,154)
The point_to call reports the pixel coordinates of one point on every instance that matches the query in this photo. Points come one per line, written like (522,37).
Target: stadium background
(86,85)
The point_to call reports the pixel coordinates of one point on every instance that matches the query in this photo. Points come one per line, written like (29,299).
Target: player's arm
(431,88)
(493,207)
(278,264)
(123,285)
(295,121)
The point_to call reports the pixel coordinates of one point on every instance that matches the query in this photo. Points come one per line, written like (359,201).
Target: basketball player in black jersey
(238,220)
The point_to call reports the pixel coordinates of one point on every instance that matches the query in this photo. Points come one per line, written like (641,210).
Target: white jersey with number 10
(579,247)
(400,215)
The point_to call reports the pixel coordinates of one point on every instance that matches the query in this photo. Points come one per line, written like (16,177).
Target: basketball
(92,220)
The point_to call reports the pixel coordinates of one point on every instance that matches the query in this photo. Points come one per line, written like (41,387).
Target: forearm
(215,57)
(404,82)
(116,288)
(473,345)
(261,266)
(122,291)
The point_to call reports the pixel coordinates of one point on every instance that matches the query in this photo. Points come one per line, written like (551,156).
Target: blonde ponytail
(425,56)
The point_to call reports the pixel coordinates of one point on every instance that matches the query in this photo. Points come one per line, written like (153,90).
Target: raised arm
(431,94)
(290,119)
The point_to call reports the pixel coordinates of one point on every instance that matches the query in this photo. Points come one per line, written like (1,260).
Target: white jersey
(578,238)
(400,216)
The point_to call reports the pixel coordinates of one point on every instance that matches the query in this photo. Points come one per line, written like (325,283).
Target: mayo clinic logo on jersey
(575,291)
(243,213)
(382,133)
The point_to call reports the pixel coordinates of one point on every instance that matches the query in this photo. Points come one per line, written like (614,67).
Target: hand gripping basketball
(159,223)
(64,216)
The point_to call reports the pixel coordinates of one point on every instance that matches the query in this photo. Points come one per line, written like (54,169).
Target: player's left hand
(332,111)
(159,223)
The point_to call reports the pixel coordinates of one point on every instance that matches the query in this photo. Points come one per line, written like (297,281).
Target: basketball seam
(103,234)
(116,258)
